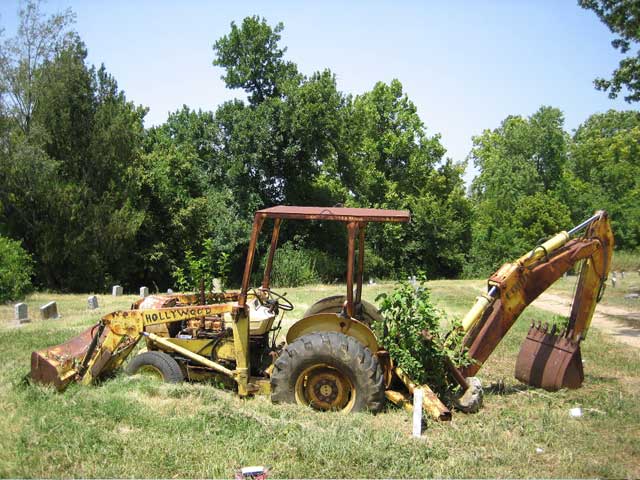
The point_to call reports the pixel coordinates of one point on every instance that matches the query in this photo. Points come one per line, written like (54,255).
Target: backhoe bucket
(549,361)
(58,365)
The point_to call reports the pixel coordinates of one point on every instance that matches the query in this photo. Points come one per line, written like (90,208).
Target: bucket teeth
(554,328)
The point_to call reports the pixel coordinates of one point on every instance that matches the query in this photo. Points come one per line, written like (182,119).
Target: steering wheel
(276,299)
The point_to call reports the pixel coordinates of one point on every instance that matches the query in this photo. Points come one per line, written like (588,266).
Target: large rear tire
(328,371)
(156,363)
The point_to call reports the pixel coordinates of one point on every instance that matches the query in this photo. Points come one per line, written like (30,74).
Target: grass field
(136,427)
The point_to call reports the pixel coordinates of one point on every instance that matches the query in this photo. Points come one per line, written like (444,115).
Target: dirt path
(621,324)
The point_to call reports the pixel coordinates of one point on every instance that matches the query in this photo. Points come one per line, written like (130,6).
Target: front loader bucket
(58,365)
(549,361)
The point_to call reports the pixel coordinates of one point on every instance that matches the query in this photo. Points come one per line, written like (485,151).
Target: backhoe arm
(515,285)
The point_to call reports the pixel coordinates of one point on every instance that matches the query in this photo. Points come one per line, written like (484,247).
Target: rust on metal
(340,214)
(361,232)
(546,360)
(272,251)
(56,365)
(352,228)
(258,220)
(550,361)
(528,285)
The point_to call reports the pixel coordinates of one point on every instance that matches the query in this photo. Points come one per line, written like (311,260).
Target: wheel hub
(325,388)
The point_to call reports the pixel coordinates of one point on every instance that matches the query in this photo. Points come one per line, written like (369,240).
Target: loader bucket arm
(515,285)
(103,348)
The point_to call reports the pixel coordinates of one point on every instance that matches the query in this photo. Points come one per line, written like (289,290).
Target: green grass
(135,427)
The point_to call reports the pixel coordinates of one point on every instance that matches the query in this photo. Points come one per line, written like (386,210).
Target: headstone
(413,281)
(622,274)
(144,292)
(417,412)
(50,310)
(217,284)
(92,302)
(613,281)
(116,291)
(632,296)
(372,281)
(22,313)
(169,290)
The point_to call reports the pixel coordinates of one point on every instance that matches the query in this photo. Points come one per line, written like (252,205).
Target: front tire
(158,364)
(328,371)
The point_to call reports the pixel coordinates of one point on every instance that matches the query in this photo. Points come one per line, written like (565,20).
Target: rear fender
(332,322)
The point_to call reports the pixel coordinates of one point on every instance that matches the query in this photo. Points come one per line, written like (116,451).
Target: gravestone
(116,291)
(50,310)
(144,292)
(169,290)
(92,302)
(217,284)
(22,313)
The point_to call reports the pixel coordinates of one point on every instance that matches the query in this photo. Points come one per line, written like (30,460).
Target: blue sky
(466,65)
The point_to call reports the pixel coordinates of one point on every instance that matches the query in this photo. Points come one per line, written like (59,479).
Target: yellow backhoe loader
(331,359)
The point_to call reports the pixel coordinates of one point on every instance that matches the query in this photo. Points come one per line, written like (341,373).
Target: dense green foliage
(623,19)
(535,179)
(16,268)
(292,266)
(408,312)
(98,199)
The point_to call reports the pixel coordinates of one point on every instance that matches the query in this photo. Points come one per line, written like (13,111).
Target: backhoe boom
(516,285)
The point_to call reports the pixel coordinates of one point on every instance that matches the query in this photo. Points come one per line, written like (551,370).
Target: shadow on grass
(500,388)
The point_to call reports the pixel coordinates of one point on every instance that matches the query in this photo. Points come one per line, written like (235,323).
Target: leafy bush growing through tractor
(209,265)
(16,268)
(407,312)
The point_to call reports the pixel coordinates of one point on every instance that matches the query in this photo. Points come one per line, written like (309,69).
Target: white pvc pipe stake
(417,412)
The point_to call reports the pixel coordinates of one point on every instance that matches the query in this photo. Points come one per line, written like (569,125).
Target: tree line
(95,198)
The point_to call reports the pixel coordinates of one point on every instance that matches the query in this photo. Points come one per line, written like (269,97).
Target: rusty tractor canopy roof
(340,214)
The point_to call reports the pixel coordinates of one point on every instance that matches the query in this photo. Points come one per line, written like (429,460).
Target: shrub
(210,264)
(407,311)
(292,267)
(16,268)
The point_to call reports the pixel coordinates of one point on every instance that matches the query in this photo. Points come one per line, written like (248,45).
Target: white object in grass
(417,412)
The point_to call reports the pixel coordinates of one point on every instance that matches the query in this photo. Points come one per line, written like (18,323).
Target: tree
(70,158)
(518,193)
(397,165)
(623,19)
(37,41)
(604,172)
(253,60)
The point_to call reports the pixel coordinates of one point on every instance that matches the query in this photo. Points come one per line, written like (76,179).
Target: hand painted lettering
(173,315)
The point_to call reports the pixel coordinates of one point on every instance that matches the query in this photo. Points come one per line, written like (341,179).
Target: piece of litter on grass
(575,412)
(539,450)
(253,473)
